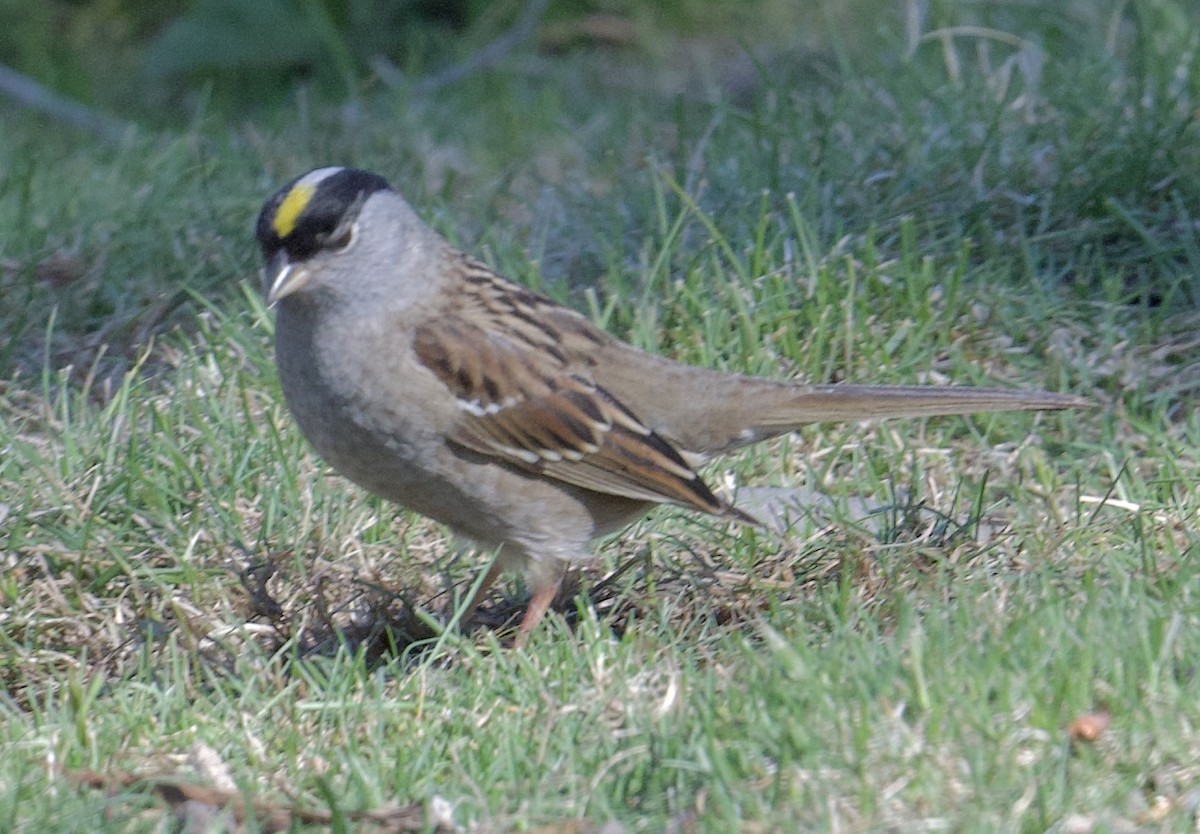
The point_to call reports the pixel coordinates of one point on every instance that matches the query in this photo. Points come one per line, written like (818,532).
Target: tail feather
(796,406)
(838,403)
(706,412)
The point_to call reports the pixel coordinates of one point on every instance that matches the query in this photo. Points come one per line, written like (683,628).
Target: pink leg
(539,603)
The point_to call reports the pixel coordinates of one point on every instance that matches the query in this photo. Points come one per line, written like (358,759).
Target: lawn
(965,624)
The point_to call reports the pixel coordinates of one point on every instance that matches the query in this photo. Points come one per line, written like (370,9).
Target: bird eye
(342,237)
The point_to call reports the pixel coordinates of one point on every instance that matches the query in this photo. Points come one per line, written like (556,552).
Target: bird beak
(283,278)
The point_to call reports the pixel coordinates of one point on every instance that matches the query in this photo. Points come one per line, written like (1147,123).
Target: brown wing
(525,401)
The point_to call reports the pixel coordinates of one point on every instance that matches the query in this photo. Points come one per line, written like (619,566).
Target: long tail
(787,407)
(706,412)
(821,403)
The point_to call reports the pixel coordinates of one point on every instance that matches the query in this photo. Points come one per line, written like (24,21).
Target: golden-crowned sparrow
(426,378)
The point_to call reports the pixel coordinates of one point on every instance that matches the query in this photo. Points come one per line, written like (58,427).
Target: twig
(490,54)
(33,95)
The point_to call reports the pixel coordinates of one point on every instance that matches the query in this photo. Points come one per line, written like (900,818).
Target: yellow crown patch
(290,209)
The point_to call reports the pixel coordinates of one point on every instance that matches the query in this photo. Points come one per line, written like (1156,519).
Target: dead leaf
(201,807)
(60,270)
(1087,728)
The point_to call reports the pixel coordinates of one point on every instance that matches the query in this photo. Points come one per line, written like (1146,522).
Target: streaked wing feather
(526,407)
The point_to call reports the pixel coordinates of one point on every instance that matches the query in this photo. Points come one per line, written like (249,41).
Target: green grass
(178,568)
